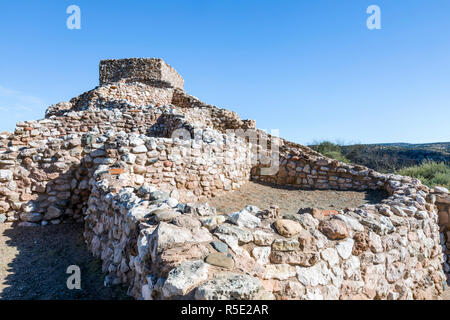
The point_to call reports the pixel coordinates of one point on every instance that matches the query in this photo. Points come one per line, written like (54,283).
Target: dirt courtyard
(290,200)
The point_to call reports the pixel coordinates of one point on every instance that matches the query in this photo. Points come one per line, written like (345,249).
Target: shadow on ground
(34,260)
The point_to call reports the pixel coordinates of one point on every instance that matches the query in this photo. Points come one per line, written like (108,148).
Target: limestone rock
(229,287)
(6,175)
(279,271)
(345,248)
(285,245)
(244,218)
(242,235)
(261,255)
(167,235)
(185,277)
(263,238)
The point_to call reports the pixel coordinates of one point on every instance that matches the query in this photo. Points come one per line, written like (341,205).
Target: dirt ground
(291,200)
(34,261)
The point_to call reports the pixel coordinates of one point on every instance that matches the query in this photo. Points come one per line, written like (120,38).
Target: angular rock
(313,276)
(52,213)
(186,221)
(345,248)
(261,255)
(263,238)
(166,235)
(167,215)
(229,287)
(244,218)
(242,235)
(220,259)
(220,246)
(184,278)
(279,271)
(6,175)
(296,258)
(334,229)
(330,255)
(285,245)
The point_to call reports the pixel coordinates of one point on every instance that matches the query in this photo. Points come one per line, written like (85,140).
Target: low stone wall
(48,180)
(166,250)
(442,197)
(312,172)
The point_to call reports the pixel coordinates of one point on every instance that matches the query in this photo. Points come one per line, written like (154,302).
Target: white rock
(313,294)
(344,248)
(146,292)
(312,276)
(139,149)
(279,271)
(229,287)
(351,222)
(168,234)
(261,255)
(6,175)
(441,190)
(135,141)
(129,158)
(330,255)
(244,219)
(352,267)
(262,238)
(184,278)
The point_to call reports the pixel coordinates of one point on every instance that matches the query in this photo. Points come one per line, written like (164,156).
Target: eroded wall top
(148,70)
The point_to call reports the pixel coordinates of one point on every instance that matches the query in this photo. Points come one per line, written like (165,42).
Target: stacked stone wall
(164,249)
(117,158)
(151,70)
(442,197)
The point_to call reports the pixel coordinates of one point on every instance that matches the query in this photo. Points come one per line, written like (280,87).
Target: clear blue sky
(311,68)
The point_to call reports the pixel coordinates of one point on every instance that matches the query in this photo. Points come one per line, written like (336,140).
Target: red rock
(167,164)
(334,229)
(329,213)
(116,171)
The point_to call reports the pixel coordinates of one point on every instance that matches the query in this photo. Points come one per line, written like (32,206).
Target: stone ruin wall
(107,158)
(158,246)
(443,205)
(151,70)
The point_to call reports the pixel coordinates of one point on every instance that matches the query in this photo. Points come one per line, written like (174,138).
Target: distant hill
(390,157)
(436,146)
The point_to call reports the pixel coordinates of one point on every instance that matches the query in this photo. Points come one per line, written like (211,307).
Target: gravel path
(34,260)
(291,200)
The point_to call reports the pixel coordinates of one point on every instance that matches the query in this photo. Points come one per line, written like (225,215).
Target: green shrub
(430,173)
(330,150)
